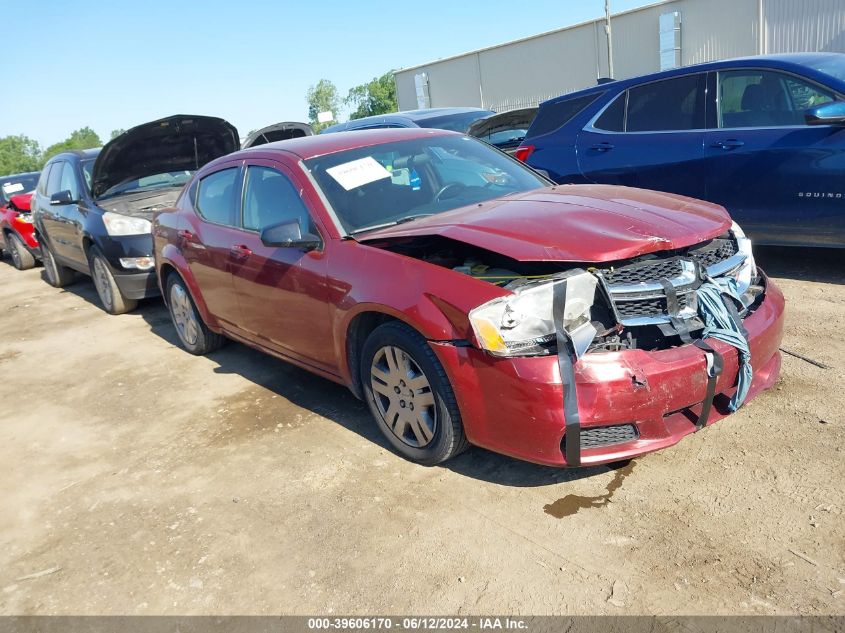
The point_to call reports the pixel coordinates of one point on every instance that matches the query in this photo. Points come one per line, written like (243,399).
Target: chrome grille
(639,294)
(644,271)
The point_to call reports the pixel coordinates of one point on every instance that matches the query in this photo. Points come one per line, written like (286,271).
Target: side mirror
(62,197)
(827,114)
(289,235)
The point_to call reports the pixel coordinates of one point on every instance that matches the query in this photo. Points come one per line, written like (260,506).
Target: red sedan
(16,220)
(470,301)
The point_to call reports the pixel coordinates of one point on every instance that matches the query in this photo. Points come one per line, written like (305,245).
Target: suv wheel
(113,300)
(21,257)
(58,276)
(410,396)
(192,330)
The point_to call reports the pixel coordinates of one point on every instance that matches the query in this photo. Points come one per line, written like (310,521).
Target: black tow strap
(567,376)
(714,360)
(715,364)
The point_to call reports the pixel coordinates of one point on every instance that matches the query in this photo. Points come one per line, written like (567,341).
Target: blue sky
(113,65)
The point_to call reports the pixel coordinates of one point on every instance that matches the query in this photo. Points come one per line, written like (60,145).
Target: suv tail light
(523,152)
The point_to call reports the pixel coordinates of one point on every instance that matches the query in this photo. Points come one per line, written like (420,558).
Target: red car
(466,298)
(16,220)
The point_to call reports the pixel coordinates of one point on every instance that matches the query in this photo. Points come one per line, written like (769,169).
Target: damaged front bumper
(631,402)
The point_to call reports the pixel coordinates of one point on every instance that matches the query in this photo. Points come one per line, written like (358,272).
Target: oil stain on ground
(570,504)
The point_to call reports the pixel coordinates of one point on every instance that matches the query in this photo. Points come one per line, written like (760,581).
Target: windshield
(380,185)
(833,66)
(148,183)
(454,122)
(13,185)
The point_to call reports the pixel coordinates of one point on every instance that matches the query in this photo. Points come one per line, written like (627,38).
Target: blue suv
(762,136)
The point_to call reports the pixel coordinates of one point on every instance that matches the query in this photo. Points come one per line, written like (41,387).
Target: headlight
(523,323)
(139,263)
(118,224)
(25,218)
(748,272)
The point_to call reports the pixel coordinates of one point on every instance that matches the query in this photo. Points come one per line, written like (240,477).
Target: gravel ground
(138,479)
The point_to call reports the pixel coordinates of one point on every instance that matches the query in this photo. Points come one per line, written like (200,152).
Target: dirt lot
(136,478)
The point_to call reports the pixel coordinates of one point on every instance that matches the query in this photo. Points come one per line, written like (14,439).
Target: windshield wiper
(407,218)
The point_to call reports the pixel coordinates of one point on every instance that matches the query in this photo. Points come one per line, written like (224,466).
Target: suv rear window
(671,104)
(555,115)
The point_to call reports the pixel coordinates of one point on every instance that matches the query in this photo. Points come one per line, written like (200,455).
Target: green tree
(19,154)
(115,133)
(376,97)
(322,97)
(83,138)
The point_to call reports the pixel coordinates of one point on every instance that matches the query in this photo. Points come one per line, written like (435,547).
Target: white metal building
(655,37)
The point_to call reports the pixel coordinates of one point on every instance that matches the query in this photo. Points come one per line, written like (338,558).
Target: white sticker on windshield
(12,187)
(358,172)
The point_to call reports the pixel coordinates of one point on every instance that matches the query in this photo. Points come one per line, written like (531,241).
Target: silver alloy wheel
(103,282)
(184,315)
(403,396)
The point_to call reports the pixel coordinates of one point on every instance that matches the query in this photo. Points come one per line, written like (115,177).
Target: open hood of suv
(278,132)
(175,143)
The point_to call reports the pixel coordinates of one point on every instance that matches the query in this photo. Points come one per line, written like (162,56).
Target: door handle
(731,143)
(240,251)
(604,146)
(187,236)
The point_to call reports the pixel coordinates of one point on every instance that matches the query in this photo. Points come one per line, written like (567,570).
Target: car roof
(412,116)
(79,153)
(306,147)
(782,61)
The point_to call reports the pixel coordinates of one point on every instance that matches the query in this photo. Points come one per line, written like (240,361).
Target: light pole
(609,38)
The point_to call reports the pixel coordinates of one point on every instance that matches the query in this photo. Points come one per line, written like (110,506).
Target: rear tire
(410,396)
(110,296)
(22,259)
(194,334)
(57,275)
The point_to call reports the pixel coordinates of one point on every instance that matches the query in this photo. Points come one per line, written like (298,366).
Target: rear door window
(667,105)
(553,116)
(760,98)
(216,196)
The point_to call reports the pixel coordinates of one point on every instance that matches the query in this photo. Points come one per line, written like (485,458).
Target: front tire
(22,259)
(58,276)
(410,396)
(112,299)
(193,333)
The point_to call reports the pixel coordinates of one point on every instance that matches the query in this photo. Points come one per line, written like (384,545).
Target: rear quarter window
(216,196)
(553,116)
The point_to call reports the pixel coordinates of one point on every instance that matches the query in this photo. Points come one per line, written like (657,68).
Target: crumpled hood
(175,143)
(576,223)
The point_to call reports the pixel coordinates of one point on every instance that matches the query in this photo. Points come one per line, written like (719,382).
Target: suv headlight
(118,224)
(523,323)
(748,272)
